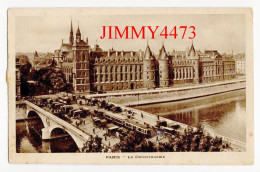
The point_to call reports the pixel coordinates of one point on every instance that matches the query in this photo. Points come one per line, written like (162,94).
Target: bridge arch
(79,142)
(68,147)
(32,113)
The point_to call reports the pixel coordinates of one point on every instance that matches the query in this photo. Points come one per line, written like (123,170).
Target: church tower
(78,36)
(81,65)
(148,68)
(71,34)
(163,68)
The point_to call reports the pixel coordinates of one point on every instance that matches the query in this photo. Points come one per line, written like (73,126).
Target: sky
(222,32)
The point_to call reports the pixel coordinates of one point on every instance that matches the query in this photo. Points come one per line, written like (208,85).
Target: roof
(147,53)
(81,43)
(111,125)
(162,53)
(114,127)
(208,59)
(77,111)
(228,59)
(134,122)
(192,51)
(117,55)
(65,47)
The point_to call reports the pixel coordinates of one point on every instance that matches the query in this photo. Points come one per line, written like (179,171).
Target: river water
(28,139)
(223,114)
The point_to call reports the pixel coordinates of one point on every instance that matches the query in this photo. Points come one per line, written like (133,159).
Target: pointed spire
(71,27)
(71,34)
(78,31)
(192,51)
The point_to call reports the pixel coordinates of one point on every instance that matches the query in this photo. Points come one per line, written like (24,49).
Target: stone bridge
(51,122)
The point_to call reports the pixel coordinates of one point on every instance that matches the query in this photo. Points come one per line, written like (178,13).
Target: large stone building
(93,69)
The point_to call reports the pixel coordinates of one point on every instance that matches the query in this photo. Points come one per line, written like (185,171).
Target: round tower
(163,68)
(148,69)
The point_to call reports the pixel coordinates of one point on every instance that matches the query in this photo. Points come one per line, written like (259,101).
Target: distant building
(240,63)
(93,69)
(41,60)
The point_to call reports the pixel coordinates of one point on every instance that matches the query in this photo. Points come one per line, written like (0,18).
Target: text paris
(130,32)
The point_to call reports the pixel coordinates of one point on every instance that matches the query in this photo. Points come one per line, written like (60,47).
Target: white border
(4,166)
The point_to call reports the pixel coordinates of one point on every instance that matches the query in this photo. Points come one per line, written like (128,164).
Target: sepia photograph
(139,84)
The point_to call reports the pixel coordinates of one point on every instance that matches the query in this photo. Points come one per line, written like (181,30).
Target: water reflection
(223,114)
(28,139)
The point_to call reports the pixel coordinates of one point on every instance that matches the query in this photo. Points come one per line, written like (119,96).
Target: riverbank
(147,97)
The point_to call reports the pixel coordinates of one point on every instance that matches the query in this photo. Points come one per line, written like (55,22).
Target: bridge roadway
(52,122)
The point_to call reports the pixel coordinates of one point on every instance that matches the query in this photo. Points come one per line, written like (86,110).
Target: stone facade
(93,69)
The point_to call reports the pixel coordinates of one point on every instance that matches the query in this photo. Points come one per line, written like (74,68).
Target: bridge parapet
(51,122)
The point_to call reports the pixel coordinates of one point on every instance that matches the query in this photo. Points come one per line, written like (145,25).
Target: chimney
(116,53)
(87,40)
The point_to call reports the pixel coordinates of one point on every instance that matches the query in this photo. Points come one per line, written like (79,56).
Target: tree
(50,78)
(25,67)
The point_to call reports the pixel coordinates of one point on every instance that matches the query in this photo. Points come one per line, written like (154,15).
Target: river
(223,114)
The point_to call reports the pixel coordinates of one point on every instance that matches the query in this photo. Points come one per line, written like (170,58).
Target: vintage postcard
(131,85)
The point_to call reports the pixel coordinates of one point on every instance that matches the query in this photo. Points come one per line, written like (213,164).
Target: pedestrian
(94,130)
(106,138)
(142,115)
(157,138)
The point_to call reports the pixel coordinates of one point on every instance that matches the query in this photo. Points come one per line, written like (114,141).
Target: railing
(59,121)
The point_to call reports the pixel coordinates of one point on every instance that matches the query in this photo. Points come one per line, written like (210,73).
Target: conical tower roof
(162,53)
(147,53)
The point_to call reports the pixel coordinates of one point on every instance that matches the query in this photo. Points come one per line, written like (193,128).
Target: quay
(151,119)
(161,95)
